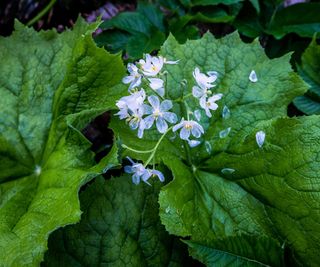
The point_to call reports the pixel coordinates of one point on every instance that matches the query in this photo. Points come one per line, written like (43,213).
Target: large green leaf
(136,32)
(51,85)
(289,20)
(120,227)
(309,71)
(203,202)
(272,191)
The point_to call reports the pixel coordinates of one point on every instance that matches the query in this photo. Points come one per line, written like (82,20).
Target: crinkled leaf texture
(270,202)
(120,226)
(51,85)
(272,196)
(309,70)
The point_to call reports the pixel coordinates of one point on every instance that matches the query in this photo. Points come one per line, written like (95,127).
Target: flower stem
(137,151)
(156,147)
(42,13)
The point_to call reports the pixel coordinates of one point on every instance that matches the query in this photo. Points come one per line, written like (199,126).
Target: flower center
(157,113)
(188,126)
(154,68)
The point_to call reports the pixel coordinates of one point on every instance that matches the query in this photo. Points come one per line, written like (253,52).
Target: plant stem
(137,151)
(42,13)
(156,147)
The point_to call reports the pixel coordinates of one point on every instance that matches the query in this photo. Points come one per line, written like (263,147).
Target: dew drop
(260,137)
(224,133)
(208,147)
(37,170)
(253,76)
(225,112)
(197,114)
(167,210)
(227,170)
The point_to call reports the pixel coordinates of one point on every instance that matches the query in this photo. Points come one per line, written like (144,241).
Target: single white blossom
(157,85)
(210,103)
(188,127)
(260,137)
(141,173)
(159,114)
(205,81)
(253,76)
(134,78)
(152,65)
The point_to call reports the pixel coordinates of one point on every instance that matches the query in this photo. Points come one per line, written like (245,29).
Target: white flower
(152,65)
(134,78)
(188,127)
(204,81)
(131,102)
(253,76)
(140,172)
(157,85)
(159,114)
(260,137)
(209,104)
(165,61)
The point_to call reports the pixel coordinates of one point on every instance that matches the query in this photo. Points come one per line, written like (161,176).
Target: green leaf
(249,252)
(51,86)
(136,32)
(289,20)
(200,202)
(120,226)
(309,71)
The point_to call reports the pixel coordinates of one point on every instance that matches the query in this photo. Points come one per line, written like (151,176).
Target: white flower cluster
(146,106)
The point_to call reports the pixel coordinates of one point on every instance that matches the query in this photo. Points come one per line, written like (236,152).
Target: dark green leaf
(120,226)
(302,19)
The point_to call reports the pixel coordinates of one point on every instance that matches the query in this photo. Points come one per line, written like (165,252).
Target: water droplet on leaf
(260,137)
(208,147)
(227,170)
(224,133)
(253,76)
(225,112)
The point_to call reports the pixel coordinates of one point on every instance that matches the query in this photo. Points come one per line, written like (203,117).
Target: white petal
(166,105)
(162,126)
(128,169)
(155,83)
(135,179)
(184,134)
(260,137)
(193,143)
(197,91)
(133,124)
(147,109)
(208,113)
(160,91)
(154,101)
(253,76)
(127,79)
(195,132)
(203,102)
(197,114)
(170,117)
(148,121)
(159,174)
(146,175)
(178,126)
(215,97)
